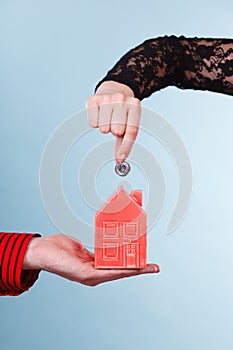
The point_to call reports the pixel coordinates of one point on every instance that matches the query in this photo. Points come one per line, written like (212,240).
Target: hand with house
(120,246)
(24,255)
(67,257)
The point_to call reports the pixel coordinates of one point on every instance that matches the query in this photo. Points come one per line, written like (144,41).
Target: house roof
(120,202)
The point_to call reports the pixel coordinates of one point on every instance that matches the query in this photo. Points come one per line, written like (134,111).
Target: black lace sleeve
(187,63)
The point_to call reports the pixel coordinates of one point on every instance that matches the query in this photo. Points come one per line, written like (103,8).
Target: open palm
(67,257)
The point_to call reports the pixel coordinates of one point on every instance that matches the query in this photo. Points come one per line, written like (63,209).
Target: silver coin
(122,169)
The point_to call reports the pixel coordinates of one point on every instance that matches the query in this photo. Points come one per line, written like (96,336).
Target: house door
(131,254)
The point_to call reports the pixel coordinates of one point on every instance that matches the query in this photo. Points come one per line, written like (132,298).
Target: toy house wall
(120,243)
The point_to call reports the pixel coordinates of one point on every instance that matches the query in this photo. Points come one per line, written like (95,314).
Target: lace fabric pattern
(187,63)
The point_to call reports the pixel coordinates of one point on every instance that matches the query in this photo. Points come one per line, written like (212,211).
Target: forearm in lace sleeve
(187,63)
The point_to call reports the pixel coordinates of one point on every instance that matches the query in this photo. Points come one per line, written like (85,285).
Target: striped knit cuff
(14,280)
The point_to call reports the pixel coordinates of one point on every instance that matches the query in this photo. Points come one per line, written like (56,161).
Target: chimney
(137,196)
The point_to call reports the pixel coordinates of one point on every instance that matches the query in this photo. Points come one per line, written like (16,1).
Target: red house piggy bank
(121,232)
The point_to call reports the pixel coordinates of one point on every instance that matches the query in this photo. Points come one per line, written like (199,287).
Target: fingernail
(154,268)
(122,157)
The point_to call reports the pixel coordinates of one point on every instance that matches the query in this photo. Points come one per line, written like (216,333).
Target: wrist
(32,259)
(111,87)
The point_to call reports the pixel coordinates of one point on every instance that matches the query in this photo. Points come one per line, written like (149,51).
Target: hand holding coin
(115,109)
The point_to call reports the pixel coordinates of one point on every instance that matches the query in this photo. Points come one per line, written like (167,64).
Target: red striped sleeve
(14,280)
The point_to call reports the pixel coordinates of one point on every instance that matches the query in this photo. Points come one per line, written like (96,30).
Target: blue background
(52,55)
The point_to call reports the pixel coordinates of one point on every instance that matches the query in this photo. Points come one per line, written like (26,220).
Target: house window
(110,251)
(130,229)
(110,229)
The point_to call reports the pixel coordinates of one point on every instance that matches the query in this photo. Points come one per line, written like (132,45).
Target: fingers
(101,276)
(118,114)
(114,274)
(124,146)
(105,115)
(92,112)
(118,143)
